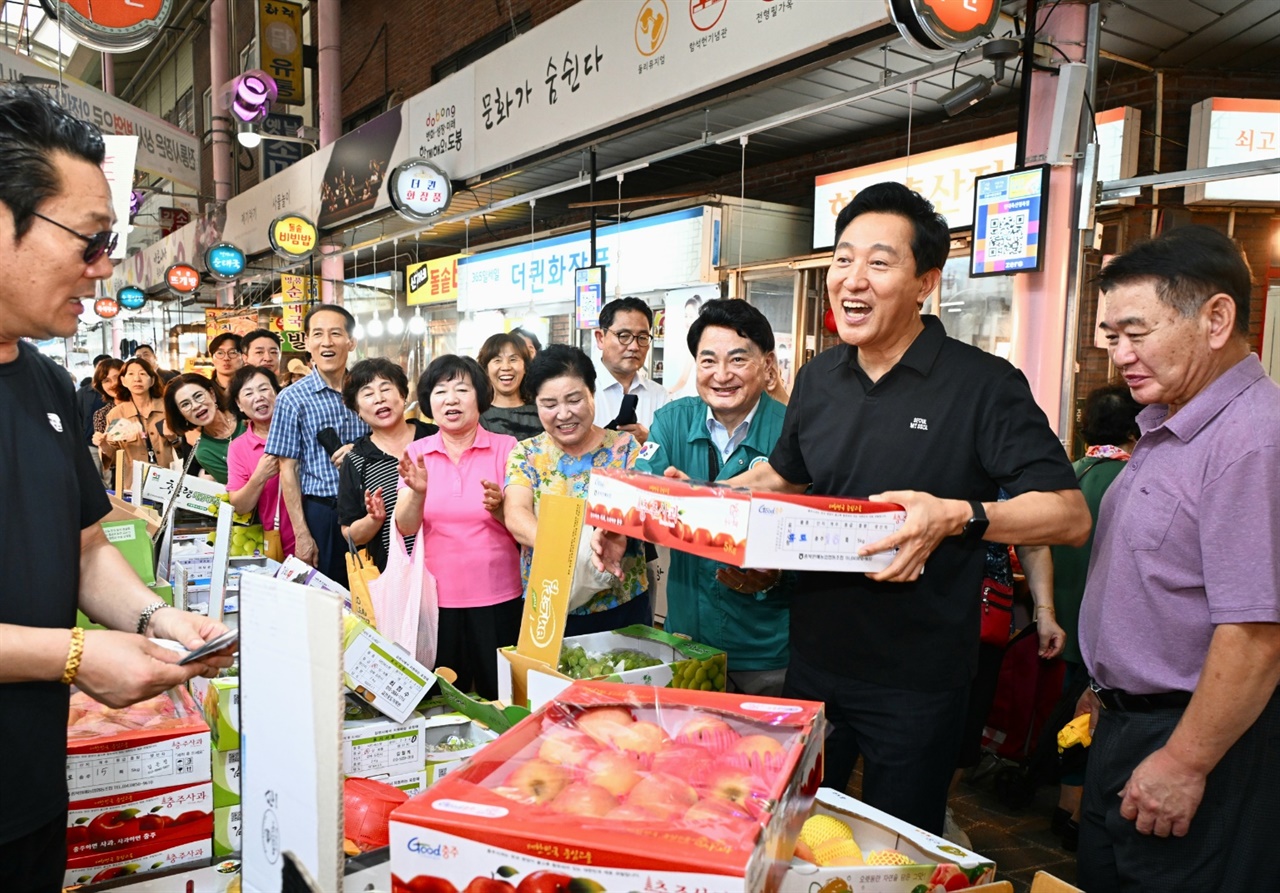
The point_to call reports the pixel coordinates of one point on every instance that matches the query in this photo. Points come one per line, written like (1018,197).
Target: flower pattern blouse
(537,463)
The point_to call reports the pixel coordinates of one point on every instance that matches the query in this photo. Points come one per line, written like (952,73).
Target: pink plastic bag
(405,600)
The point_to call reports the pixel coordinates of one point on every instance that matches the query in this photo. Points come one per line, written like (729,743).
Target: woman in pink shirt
(449,491)
(253,477)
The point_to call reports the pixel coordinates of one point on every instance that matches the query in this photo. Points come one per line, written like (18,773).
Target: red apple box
(141,858)
(627,786)
(170,816)
(159,743)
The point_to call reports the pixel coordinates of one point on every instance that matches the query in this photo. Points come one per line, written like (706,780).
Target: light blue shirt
(725,442)
(303,409)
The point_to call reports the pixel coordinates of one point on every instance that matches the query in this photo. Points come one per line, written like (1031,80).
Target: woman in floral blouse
(562,380)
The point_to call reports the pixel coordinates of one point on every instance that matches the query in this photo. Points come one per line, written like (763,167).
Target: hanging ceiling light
(417,325)
(375,327)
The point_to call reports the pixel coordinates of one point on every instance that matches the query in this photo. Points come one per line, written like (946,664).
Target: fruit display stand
(874,852)
(620,787)
(742,527)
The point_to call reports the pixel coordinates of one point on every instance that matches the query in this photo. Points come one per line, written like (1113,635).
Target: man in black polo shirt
(900,412)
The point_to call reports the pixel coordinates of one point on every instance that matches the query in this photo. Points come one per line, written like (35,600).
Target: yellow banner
(433,282)
(297,292)
(280,40)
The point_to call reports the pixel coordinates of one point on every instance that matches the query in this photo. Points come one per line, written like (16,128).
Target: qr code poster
(1008,216)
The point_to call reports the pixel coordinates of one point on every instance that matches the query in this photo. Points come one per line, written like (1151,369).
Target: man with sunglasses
(55,241)
(623,339)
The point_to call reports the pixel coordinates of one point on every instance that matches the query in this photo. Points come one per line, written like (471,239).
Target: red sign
(106,307)
(172,219)
(941,26)
(182,279)
(114,27)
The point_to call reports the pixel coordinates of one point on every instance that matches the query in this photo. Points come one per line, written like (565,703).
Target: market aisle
(1019,841)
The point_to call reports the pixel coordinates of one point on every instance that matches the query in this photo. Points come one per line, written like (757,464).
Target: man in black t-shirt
(55,241)
(901,413)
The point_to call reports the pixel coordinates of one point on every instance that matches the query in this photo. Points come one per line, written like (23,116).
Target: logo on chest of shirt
(54,421)
(919,424)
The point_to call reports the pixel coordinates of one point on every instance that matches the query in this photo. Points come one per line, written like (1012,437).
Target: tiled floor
(1018,840)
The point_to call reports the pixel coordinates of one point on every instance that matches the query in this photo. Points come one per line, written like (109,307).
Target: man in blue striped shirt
(310,456)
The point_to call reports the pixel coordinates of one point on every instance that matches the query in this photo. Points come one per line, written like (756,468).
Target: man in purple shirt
(1180,625)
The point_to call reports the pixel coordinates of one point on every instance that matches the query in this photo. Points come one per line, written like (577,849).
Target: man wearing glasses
(55,243)
(225,351)
(623,338)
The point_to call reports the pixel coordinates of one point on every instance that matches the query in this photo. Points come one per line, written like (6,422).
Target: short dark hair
(557,361)
(34,128)
(173,416)
(157,385)
(364,372)
(256,335)
(1187,266)
(619,305)
(524,333)
(100,373)
(143,347)
(219,340)
(242,377)
(350,320)
(100,357)
(731,313)
(1109,416)
(449,368)
(931,237)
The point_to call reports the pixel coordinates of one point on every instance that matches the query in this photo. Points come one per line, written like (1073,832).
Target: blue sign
(278,154)
(225,261)
(131,297)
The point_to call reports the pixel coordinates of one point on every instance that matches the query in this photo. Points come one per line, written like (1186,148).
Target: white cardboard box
(373,747)
(939,862)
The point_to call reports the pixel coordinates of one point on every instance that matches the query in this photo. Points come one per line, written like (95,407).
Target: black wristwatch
(976,526)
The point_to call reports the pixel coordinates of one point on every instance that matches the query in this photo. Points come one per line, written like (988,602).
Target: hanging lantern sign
(107,308)
(944,26)
(112,27)
(224,261)
(182,279)
(293,236)
(131,298)
(419,190)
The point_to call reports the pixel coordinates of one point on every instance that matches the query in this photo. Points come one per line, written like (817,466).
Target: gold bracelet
(73,656)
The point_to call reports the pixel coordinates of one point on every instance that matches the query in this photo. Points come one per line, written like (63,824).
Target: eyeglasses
(201,397)
(94,246)
(229,354)
(625,337)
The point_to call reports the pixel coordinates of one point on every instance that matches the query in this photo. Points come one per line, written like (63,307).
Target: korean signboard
(1232,131)
(280,40)
(943,176)
(293,237)
(433,282)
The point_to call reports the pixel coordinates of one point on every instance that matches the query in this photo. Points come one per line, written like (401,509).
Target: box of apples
(742,527)
(122,834)
(620,787)
(157,743)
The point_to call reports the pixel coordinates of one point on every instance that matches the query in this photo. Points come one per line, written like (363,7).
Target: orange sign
(182,279)
(106,308)
(944,25)
(961,16)
(293,236)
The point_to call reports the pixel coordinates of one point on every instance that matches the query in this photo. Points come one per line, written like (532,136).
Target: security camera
(969,93)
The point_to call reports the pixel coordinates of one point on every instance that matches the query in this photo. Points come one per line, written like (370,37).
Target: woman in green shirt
(191,403)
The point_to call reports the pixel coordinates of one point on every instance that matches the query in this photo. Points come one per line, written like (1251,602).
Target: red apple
(629,812)
(423,883)
(567,747)
(612,771)
(710,732)
(665,795)
(539,780)
(737,786)
(722,820)
(639,740)
(758,753)
(948,877)
(687,761)
(599,722)
(583,798)
(112,825)
(190,816)
(489,885)
(545,882)
(77,834)
(155,822)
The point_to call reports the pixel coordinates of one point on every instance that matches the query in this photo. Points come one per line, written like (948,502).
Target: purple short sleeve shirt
(1188,536)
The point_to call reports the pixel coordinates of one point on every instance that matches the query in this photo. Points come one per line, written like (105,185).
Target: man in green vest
(729,427)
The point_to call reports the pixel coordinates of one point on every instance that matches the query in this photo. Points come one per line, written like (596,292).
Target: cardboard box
(118,822)
(938,861)
(503,807)
(411,783)
(528,674)
(743,527)
(681,661)
(380,746)
(226,778)
(226,830)
(380,671)
(134,543)
(123,510)
(155,744)
(442,727)
(142,858)
(219,702)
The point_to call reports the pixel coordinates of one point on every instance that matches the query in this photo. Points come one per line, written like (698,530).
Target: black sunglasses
(94,246)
